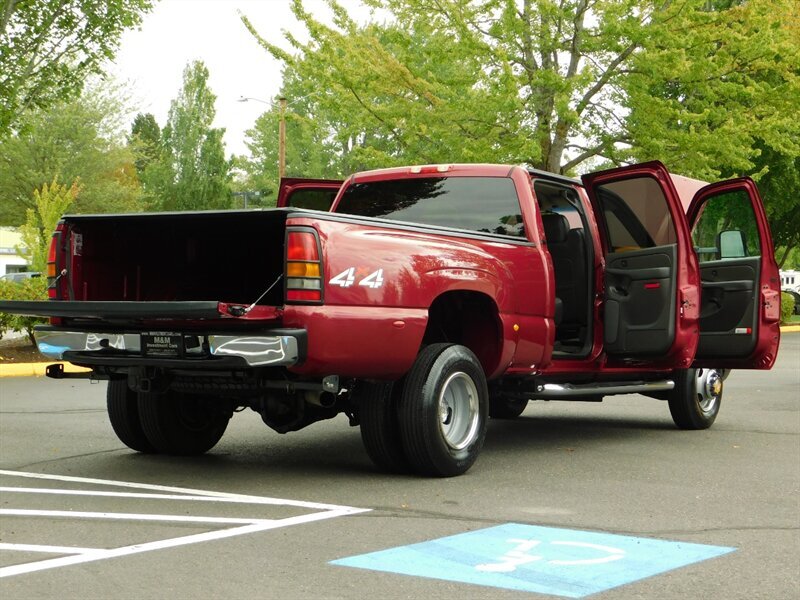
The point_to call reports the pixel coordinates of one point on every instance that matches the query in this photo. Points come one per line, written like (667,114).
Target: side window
(636,214)
(726,228)
(313,199)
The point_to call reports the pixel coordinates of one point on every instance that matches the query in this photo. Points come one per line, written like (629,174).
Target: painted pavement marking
(546,560)
(75,555)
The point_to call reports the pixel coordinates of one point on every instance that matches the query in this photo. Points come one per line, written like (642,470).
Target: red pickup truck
(427,300)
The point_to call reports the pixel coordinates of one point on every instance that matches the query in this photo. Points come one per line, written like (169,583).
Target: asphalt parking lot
(572,499)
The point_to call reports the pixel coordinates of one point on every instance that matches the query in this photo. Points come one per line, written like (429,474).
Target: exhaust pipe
(321,399)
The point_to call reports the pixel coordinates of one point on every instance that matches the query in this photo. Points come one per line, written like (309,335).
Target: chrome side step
(557,391)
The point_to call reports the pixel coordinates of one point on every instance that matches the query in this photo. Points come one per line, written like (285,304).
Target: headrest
(556,227)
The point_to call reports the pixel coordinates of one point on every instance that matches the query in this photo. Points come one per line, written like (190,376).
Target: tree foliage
(191,172)
(708,87)
(144,141)
(80,139)
(48,49)
(50,203)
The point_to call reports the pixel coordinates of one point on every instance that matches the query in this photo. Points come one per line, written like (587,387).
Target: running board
(556,391)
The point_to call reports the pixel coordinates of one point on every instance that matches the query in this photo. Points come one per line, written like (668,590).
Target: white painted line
(83,555)
(176,490)
(18,512)
(47,549)
(25,490)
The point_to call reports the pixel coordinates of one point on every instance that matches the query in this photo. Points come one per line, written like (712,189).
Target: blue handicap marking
(546,560)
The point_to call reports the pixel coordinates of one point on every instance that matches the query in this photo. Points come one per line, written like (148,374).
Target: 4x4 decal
(348,277)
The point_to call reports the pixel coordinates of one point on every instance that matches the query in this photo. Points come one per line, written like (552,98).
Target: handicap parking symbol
(546,560)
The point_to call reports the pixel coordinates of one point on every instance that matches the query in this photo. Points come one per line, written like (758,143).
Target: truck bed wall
(226,256)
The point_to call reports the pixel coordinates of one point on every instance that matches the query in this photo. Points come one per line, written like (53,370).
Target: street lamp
(281,131)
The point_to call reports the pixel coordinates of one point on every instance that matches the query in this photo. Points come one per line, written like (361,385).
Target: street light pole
(282,139)
(281,131)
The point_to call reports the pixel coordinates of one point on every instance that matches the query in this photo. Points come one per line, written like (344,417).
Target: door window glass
(636,214)
(726,228)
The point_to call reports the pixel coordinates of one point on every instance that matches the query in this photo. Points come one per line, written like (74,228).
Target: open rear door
(651,276)
(740,297)
(316,194)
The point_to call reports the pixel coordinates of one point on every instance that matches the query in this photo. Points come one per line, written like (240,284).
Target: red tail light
(52,264)
(303,268)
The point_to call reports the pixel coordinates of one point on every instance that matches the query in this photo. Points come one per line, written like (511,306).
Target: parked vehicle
(429,299)
(20,277)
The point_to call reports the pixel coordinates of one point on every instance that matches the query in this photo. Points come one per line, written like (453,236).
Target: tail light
(303,266)
(52,264)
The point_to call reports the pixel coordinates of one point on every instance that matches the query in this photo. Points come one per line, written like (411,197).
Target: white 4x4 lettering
(348,277)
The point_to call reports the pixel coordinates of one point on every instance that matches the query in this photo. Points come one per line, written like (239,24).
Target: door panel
(640,301)
(652,280)
(728,304)
(740,285)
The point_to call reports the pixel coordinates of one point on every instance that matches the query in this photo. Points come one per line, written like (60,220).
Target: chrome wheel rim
(709,389)
(459,415)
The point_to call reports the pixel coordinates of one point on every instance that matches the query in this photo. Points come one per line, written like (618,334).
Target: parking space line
(47,549)
(75,556)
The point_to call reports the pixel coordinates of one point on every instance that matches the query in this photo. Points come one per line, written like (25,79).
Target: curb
(35,369)
(38,369)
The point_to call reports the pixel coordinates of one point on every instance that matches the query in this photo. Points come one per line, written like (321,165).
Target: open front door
(316,194)
(740,297)
(651,276)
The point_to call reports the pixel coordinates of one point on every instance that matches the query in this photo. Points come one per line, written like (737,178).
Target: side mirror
(731,244)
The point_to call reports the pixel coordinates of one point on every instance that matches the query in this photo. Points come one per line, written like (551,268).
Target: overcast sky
(176,32)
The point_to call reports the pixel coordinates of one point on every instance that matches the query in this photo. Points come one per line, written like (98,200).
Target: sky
(152,58)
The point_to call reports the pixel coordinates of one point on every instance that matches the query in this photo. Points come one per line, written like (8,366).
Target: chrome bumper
(267,349)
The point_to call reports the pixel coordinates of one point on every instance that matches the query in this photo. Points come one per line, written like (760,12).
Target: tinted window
(485,204)
(636,214)
(313,199)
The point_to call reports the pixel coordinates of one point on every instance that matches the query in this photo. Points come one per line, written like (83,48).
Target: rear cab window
(476,204)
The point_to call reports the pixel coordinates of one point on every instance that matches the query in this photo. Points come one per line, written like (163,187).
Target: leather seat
(568,251)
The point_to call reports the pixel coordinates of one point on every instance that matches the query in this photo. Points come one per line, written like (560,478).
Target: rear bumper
(267,348)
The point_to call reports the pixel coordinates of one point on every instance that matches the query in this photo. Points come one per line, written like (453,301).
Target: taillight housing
(52,264)
(303,266)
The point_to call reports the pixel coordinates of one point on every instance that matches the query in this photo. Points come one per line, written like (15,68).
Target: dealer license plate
(162,343)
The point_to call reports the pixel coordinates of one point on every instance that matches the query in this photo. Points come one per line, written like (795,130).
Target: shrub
(34,288)
(787,307)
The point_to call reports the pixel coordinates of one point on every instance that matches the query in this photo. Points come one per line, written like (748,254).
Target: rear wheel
(182,424)
(696,399)
(380,430)
(443,410)
(501,407)
(123,412)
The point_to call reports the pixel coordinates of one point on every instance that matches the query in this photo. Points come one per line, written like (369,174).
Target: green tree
(144,140)
(191,172)
(50,203)
(80,139)
(724,100)
(48,49)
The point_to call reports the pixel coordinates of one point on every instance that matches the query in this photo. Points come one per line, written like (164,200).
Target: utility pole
(282,139)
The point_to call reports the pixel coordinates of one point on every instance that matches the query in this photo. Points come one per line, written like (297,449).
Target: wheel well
(470,319)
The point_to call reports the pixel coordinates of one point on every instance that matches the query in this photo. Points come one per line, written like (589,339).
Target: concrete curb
(38,369)
(35,369)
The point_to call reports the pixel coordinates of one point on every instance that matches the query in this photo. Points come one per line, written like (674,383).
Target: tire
(501,407)
(380,430)
(123,412)
(696,399)
(443,411)
(181,424)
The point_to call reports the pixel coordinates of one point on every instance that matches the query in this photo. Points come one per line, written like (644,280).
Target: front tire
(380,430)
(696,399)
(443,410)
(123,412)
(181,424)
